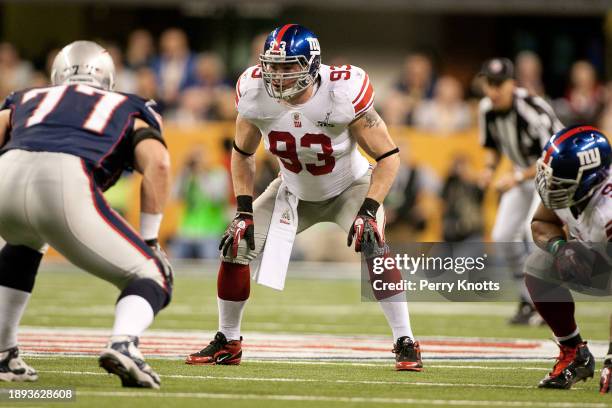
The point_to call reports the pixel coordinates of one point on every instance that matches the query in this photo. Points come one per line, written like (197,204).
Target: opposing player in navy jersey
(60,148)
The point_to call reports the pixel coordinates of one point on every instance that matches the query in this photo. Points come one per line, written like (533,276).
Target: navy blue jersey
(87,122)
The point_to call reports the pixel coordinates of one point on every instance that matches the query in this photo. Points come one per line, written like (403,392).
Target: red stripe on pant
(234,282)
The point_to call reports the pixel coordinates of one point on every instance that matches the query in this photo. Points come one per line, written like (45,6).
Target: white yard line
(304,380)
(350,400)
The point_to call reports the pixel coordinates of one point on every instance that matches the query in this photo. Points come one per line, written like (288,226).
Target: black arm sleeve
(146,133)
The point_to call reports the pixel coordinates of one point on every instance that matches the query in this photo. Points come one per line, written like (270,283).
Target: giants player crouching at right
(312,117)
(574,182)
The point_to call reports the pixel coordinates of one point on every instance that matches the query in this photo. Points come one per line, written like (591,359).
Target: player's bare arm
(243,177)
(546,227)
(372,135)
(152,160)
(5,119)
(246,141)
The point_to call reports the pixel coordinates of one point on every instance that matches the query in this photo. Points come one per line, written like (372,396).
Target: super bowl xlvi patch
(286,217)
(325,122)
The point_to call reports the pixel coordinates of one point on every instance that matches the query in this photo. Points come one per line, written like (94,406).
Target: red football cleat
(219,351)
(407,355)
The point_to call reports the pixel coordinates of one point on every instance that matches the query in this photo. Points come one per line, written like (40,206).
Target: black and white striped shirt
(521,132)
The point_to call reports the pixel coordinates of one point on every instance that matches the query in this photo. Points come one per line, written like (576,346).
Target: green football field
(70,302)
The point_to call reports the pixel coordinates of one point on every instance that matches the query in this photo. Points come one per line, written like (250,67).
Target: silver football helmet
(84,62)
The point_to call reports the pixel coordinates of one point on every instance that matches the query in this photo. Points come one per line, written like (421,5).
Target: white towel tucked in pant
(272,270)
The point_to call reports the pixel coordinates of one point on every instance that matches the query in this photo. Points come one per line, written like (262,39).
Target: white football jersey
(317,155)
(594,224)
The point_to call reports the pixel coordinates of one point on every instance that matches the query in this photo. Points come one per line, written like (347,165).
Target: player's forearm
(155,187)
(243,174)
(383,176)
(543,232)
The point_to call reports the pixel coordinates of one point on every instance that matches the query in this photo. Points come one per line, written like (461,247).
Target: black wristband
(151,242)
(389,153)
(369,207)
(239,150)
(245,204)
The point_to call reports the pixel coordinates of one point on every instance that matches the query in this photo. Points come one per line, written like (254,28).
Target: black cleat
(407,355)
(13,368)
(573,364)
(606,377)
(122,358)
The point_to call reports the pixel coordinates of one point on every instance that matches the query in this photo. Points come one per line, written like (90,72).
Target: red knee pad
(234,282)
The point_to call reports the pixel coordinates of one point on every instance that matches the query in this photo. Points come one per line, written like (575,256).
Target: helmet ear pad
(589,183)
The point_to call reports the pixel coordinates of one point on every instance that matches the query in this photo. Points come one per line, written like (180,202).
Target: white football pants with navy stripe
(49,198)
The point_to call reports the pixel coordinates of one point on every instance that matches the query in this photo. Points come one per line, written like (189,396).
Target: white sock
(395,309)
(133,314)
(12,305)
(230,316)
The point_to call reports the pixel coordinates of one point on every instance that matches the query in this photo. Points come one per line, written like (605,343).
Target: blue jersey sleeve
(146,111)
(9,102)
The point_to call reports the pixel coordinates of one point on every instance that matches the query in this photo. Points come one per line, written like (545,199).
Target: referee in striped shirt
(517,125)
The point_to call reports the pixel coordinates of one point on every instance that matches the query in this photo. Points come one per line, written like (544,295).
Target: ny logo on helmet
(589,158)
(315,48)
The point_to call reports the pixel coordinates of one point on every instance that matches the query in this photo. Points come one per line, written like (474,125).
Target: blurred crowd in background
(194,86)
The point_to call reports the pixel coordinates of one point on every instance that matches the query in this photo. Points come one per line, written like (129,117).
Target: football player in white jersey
(573,179)
(312,117)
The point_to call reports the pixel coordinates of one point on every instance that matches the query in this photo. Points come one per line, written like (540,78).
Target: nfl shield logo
(297,121)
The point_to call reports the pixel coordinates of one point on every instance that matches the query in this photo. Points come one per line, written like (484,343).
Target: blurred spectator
(447,111)
(146,87)
(39,79)
(175,67)
(194,104)
(463,197)
(415,85)
(202,187)
(212,98)
(404,205)
(125,78)
(583,101)
(605,123)
(140,50)
(257,46)
(15,74)
(49,60)
(529,72)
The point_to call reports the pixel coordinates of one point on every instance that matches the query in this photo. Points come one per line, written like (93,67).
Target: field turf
(65,298)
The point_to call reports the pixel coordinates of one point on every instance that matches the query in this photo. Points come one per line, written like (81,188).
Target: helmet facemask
(275,81)
(557,193)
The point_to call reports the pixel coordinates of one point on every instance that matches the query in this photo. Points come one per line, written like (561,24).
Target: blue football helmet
(574,163)
(286,46)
